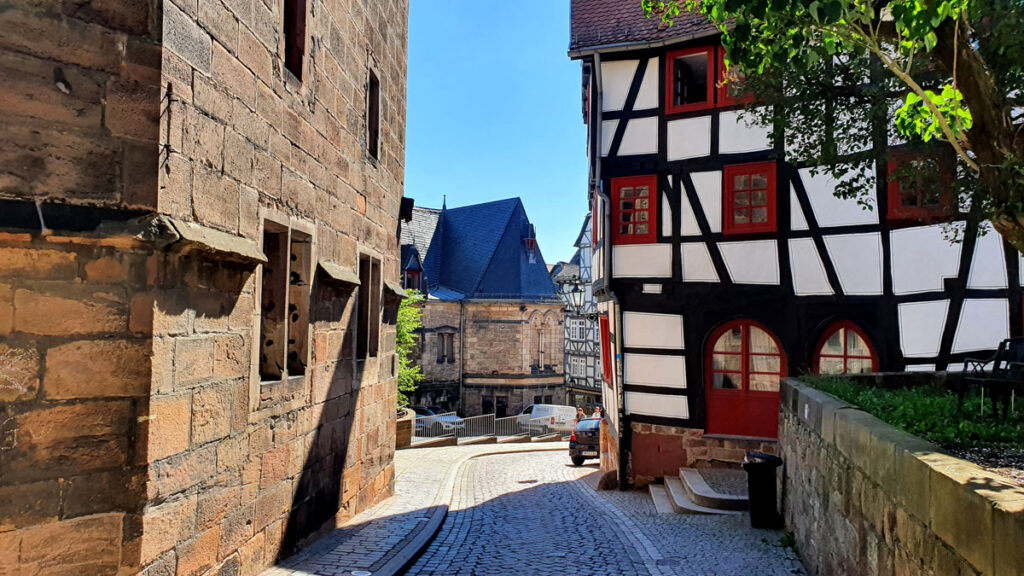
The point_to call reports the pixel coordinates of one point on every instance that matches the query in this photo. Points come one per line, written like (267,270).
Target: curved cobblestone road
(536,514)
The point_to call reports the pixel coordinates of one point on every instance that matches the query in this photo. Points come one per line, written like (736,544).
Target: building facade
(198,278)
(722,263)
(492,332)
(582,345)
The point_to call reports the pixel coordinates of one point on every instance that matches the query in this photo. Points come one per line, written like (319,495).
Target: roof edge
(626,46)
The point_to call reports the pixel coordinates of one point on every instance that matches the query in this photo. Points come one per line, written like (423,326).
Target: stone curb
(404,558)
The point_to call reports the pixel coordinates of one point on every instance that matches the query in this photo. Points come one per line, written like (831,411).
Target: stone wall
(659,451)
(502,337)
(439,317)
(864,498)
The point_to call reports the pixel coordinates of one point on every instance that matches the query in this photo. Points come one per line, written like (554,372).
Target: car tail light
(552,420)
(573,437)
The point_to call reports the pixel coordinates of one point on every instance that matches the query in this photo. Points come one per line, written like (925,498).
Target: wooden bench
(1003,380)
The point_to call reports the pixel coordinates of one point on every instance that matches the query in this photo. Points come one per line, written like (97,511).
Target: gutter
(626,46)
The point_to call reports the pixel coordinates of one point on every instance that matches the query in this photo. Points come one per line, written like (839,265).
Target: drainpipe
(462,350)
(607,256)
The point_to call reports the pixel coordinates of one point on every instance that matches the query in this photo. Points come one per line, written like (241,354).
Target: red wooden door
(744,365)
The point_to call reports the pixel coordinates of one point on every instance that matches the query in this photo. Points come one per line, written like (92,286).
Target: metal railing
(437,425)
(476,427)
(510,426)
(540,427)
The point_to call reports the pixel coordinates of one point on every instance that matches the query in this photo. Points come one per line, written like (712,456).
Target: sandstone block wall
(864,498)
(439,315)
(503,338)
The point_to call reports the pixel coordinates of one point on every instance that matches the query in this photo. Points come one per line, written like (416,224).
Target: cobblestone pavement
(537,514)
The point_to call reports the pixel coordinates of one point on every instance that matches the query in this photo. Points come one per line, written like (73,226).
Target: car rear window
(588,425)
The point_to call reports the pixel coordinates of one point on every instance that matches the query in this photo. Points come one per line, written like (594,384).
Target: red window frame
(897,211)
(619,213)
(724,100)
(730,194)
(606,349)
(670,66)
(412,279)
(742,411)
(846,356)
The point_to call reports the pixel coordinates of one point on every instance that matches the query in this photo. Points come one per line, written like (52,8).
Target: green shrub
(930,413)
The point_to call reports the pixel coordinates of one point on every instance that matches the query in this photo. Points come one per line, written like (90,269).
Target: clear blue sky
(494,112)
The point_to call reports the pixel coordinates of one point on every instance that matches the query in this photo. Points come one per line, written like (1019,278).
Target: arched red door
(744,363)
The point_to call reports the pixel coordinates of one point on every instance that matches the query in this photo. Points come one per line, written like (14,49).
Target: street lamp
(576,296)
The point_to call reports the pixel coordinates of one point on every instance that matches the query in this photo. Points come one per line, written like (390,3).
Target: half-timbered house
(722,264)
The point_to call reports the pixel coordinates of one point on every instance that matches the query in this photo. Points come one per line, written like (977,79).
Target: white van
(556,418)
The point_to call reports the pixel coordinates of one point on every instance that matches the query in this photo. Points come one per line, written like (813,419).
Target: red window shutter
(606,349)
(634,210)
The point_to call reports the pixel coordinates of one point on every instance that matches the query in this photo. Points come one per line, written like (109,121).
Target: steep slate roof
(597,23)
(420,230)
(478,251)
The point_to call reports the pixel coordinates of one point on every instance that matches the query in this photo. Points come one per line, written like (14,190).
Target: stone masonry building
(199,204)
(491,341)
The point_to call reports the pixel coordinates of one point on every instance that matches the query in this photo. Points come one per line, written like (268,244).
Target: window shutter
(606,350)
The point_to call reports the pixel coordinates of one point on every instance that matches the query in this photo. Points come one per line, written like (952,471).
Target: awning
(338,273)
(197,237)
(395,289)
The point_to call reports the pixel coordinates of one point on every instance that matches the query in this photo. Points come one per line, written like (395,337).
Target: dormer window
(531,249)
(689,79)
(412,279)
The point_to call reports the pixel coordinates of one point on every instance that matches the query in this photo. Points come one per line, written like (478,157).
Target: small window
(547,399)
(749,202)
(412,279)
(634,210)
(284,303)
(731,91)
(606,350)
(368,325)
(294,36)
(445,348)
(538,399)
(689,77)
(920,187)
(373,116)
(845,350)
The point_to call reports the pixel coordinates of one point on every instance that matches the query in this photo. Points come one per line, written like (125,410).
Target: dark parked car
(585,442)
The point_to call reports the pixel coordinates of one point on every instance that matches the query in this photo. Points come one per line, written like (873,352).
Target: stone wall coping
(974,511)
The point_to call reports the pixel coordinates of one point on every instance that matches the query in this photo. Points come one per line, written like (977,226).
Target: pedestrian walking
(580,414)
(597,412)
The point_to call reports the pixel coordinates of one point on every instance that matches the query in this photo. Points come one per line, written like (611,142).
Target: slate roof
(597,23)
(419,231)
(478,251)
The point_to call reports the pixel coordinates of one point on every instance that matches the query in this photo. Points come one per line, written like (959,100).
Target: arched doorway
(744,363)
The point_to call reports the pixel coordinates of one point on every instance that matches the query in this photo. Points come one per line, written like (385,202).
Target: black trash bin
(761,489)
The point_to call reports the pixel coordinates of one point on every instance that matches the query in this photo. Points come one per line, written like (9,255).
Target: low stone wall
(403,430)
(864,498)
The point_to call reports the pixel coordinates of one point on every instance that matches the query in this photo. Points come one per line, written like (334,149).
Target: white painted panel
(666,215)
(657,405)
(647,97)
(832,211)
(751,262)
(955,367)
(922,258)
(642,261)
(616,77)
(654,370)
(809,276)
(738,133)
(858,262)
(608,128)
(697,264)
(984,323)
(921,326)
(689,138)
(920,368)
(688,220)
(709,192)
(797,219)
(988,267)
(1020,268)
(640,137)
(647,330)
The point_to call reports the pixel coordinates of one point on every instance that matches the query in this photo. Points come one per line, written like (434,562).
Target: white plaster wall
(647,97)
(751,261)
(988,267)
(666,212)
(919,368)
(656,405)
(689,138)
(809,276)
(688,221)
(858,262)
(616,77)
(738,133)
(832,211)
(697,264)
(654,370)
(640,137)
(922,258)
(608,128)
(921,326)
(709,192)
(648,330)
(984,323)
(797,220)
(642,261)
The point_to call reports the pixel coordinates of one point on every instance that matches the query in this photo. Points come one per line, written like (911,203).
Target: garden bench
(1005,377)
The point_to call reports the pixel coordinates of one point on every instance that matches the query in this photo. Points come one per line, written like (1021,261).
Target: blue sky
(494,112)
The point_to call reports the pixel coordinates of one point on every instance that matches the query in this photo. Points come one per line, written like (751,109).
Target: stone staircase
(702,491)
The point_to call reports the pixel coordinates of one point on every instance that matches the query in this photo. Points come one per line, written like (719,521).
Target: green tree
(842,76)
(410,319)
